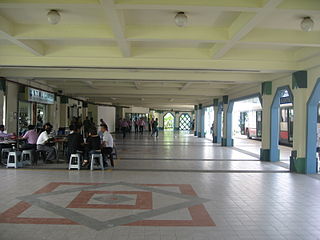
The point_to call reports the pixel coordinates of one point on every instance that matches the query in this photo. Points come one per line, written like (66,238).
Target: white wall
(108,114)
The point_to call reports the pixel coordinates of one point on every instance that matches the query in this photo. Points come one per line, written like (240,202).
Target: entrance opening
(185,122)
(168,121)
(281,131)
(247,124)
(208,120)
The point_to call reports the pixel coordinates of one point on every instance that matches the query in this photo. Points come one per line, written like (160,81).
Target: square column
(267,98)
(217,121)
(301,96)
(195,127)
(200,121)
(227,140)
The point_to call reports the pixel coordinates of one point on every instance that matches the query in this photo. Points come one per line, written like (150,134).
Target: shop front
(33,108)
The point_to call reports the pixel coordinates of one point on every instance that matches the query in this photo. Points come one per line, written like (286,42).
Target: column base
(199,135)
(226,142)
(215,139)
(264,154)
(274,155)
(195,133)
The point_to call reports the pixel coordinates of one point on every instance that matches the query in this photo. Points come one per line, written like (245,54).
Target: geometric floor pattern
(136,202)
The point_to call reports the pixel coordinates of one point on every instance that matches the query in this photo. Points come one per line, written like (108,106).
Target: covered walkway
(175,187)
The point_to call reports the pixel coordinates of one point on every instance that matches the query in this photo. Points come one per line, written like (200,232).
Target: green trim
(3,84)
(64,100)
(299,165)
(216,102)
(225,99)
(264,154)
(266,88)
(300,79)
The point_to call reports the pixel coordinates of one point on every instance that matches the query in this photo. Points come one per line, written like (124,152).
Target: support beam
(117,24)
(244,23)
(137,85)
(6,32)
(186,85)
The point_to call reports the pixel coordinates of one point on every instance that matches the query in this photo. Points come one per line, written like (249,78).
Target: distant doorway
(168,121)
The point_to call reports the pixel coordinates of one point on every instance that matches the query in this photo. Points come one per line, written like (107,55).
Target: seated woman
(93,145)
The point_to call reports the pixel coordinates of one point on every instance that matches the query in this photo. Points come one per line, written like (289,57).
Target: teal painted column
(217,121)
(200,119)
(227,140)
(219,124)
(196,120)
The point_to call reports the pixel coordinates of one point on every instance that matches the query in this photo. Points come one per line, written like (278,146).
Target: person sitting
(75,141)
(4,134)
(93,145)
(45,143)
(107,145)
(31,136)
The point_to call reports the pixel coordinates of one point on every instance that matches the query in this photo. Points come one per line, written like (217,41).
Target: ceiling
(130,52)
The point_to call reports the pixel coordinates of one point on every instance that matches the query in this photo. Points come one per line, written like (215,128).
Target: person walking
(136,125)
(124,126)
(107,145)
(142,123)
(155,129)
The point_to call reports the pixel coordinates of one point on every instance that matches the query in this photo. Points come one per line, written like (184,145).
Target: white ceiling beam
(186,85)
(137,85)
(141,76)
(117,24)
(6,32)
(243,25)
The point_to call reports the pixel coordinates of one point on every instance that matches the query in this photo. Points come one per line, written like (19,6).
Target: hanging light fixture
(306,24)
(181,19)
(53,17)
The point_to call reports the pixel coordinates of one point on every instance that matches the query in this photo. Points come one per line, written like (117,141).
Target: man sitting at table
(44,143)
(75,142)
(31,136)
(93,146)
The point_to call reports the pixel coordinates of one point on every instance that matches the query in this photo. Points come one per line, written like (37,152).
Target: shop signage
(35,95)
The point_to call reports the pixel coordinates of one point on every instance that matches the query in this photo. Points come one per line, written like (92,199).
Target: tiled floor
(245,199)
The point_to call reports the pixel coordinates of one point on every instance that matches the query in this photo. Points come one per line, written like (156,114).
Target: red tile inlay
(143,201)
(199,215)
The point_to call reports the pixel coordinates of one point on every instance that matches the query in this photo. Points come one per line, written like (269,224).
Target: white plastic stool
(14,159)
(94,156)
(5,153)
(74,161)
(26,157)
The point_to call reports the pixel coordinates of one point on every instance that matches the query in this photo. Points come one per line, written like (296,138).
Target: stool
(94,157)
(5,153)
(74,161)
(14,159)
(27,157)
(40,154)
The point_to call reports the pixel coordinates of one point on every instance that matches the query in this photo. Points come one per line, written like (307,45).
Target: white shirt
(42,138)
(107,138)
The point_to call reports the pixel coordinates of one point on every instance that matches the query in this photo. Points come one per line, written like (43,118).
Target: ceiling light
(306,24)
(181,19)
(53,17)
